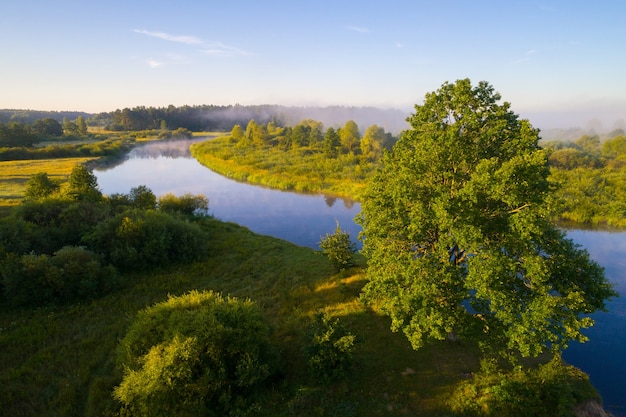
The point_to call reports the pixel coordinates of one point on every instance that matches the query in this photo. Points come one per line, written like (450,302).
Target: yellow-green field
(15,174)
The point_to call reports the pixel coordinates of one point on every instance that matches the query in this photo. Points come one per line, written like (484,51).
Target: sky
(560,63)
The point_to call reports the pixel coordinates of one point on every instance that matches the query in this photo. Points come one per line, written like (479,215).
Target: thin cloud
(358,29)
(206,48)
(189,40)
(219,49)
(153,63)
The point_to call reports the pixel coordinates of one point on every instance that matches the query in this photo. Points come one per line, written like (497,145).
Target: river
(167,167)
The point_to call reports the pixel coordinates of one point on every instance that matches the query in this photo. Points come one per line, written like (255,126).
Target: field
(15,174)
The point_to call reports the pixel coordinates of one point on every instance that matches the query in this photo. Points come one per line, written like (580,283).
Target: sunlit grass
(15,174)
(302,169)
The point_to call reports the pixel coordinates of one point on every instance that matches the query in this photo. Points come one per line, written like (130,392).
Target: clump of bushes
(71,273)
(196,354)
(64,244)
(551,390)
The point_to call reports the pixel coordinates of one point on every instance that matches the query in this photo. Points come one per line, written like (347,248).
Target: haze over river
(167,167)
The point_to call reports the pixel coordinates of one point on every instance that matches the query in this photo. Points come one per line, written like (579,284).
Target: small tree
(40,186)
(197,354)
(83,185)
(142,197)
(339,248)
(81,125)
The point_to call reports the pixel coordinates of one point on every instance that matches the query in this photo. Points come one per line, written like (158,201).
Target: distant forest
(219,118)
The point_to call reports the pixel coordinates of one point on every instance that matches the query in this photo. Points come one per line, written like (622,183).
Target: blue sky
(559,63)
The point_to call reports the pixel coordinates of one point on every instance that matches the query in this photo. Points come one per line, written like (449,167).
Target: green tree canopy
(332,142)
(196,354)
(48,126)
(83,184)
(81,125)
(456,225)
(350,136)
(40,186)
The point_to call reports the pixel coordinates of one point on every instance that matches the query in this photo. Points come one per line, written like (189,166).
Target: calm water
(303,219)
(168,167)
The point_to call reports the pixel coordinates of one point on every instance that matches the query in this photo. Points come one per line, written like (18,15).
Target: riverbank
(298,170)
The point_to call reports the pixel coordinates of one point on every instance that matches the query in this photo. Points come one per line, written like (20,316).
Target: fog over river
(167,167)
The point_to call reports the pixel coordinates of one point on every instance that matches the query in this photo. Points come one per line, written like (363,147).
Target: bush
(197,354)
(551,390)
(188,205)
(72,274)
(330,349)
(338,248)
(140,239)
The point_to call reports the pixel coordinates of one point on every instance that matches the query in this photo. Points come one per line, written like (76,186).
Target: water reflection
(167,167)
(603,357)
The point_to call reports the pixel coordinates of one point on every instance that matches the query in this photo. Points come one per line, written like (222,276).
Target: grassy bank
(299,169)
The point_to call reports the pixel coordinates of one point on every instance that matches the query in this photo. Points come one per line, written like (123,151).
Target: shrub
(72,274)
(136,240)
(188,205)
(196,354)
(551,390)
(339,248)
(330,349)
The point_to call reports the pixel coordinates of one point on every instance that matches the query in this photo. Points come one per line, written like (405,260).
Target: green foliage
(197,354)
(48,127)
(571,158)
(187,205)
(144,239)
(40,186)
(551,390)
(349,137)
(142,197)
(83,185)
(16,134)
(339,248)
(281,163)
(332,142)
(71,274)
(614,147)
(330,350)
(457,230)
(102,148)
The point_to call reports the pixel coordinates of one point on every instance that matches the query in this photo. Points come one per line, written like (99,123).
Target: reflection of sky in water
(603,357)
(303,219)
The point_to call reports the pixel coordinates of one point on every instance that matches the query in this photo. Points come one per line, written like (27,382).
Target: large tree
(457,228)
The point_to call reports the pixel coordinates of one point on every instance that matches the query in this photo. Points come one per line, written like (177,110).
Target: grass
(301,169)
(60,360)
(15,174)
